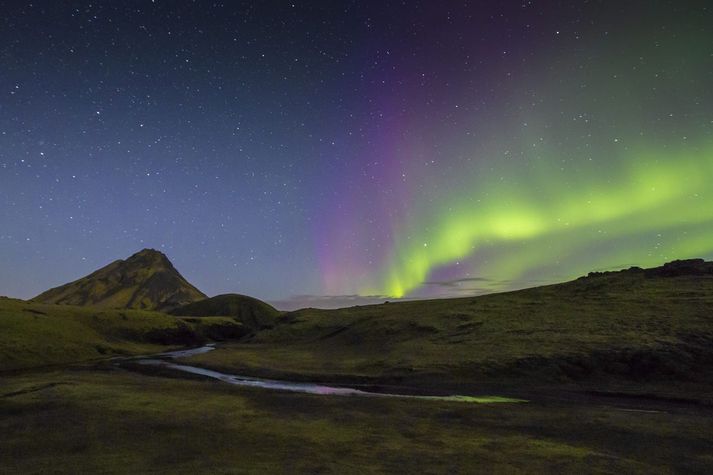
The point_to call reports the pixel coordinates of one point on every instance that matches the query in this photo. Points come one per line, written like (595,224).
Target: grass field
(621,327)
(616,369)
(88,421)
(33,334)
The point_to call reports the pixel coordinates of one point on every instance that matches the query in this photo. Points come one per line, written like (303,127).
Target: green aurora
(599,157)
(536,224)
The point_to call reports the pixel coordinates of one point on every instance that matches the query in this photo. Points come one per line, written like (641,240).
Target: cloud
(453,288)
(457,282)
(475,286)
(329,301)
(470,284)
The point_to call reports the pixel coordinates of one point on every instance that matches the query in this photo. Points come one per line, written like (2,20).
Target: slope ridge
(147,280)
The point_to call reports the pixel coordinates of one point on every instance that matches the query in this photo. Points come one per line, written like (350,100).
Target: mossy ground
(558,343)
(88,421)
(33,334)
(626,328)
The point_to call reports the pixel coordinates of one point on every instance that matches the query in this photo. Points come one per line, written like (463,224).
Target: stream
(164,360)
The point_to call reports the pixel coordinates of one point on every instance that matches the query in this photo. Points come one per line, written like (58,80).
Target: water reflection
(310,388)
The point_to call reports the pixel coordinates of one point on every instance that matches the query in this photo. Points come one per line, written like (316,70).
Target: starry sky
(334,153)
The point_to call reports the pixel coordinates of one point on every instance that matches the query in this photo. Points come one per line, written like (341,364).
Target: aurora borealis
(327,153)
(595,158)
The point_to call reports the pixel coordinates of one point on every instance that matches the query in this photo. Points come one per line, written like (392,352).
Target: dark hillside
(146,281)
(251,312)
(633,325)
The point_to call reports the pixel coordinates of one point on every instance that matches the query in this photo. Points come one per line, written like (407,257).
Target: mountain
(147,280)
(251,312)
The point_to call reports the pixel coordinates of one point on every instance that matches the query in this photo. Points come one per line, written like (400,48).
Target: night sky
(333,153)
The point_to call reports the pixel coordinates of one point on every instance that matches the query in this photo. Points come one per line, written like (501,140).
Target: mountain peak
(145,280)
(148,251)
(149,257)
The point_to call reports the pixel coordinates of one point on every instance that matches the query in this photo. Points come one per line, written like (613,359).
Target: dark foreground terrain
(90,421)
(646,330)
(616,369)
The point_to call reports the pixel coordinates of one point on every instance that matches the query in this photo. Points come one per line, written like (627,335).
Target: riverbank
(164,363)
(115,421)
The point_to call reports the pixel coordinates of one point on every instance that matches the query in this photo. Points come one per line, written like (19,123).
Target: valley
(607,373)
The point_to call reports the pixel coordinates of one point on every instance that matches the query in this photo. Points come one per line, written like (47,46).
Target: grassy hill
(33,334)
(642,328)
(147,281)
(634,325)
(251,312)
